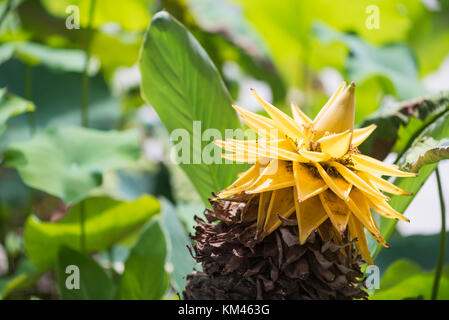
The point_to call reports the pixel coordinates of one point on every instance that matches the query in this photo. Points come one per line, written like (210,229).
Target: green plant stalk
(85,111)
(28,92)
(83,227)
(85,75)
(440,262)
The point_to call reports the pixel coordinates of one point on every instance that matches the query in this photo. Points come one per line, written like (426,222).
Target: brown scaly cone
(236,266)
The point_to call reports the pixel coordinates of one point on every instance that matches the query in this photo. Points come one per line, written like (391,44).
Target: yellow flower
(314,169)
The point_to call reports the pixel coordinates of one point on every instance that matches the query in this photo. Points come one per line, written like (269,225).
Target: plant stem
(85,112)
(440,263)
(83,226)
(85,75)
(28,92)
(5,12)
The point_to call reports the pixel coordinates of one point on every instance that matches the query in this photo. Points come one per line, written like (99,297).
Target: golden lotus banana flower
(314,169)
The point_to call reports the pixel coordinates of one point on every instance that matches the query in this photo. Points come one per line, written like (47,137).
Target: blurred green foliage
(86,196)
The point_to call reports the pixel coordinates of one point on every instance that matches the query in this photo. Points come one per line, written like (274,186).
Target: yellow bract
(314,169)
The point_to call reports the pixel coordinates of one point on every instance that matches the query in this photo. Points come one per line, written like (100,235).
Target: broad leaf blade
(410,283)
(69,162)
(439,129)
(179,255)
(106,222)
(145,277)
(426,151)
(94,283)
(183,86)
(397,124)
(394,61)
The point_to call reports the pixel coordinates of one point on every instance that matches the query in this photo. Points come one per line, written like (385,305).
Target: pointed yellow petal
(368,164)
(299,116)
(384,209)
(245,180)
(356,231)
(264,202)
(310,215)
(360,209)
(336,209)
(283,122)
(240,145)
(355,180)
(241,157)
(331,100)
(336,145)
(264,126)
(313,155)
(307,185)
(277,175)
(339,117)
(339,186)
(383,184)
(282,203)
(362,134)
(266,150)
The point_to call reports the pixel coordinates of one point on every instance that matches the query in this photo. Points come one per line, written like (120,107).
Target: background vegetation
(85,173)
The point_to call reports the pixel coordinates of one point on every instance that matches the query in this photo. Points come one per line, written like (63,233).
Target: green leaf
(183,86)
(399,271)
(393,61)
(56,104)
(67,60)
(94,283)
(426,151)
(439,129)
(397,124)
(132,15)
(69,162)
(24,277)
(179,256)
(424,251)
(145,277)
(106,222)
(241,43)
(412,284)
(286,29)
(11,105)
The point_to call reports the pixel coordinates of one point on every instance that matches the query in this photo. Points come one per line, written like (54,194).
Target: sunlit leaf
(411,284)
(131,15)
(11,105)
(68,162)
(286,28)
(69,60)
(56,104)
(399,271)
(437,130)
(24,277)
(394,61)
(106,222)
(183,85)
(426,151)
(402,121)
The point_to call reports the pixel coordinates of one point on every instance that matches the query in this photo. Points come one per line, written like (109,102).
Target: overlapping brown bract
(236,266)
